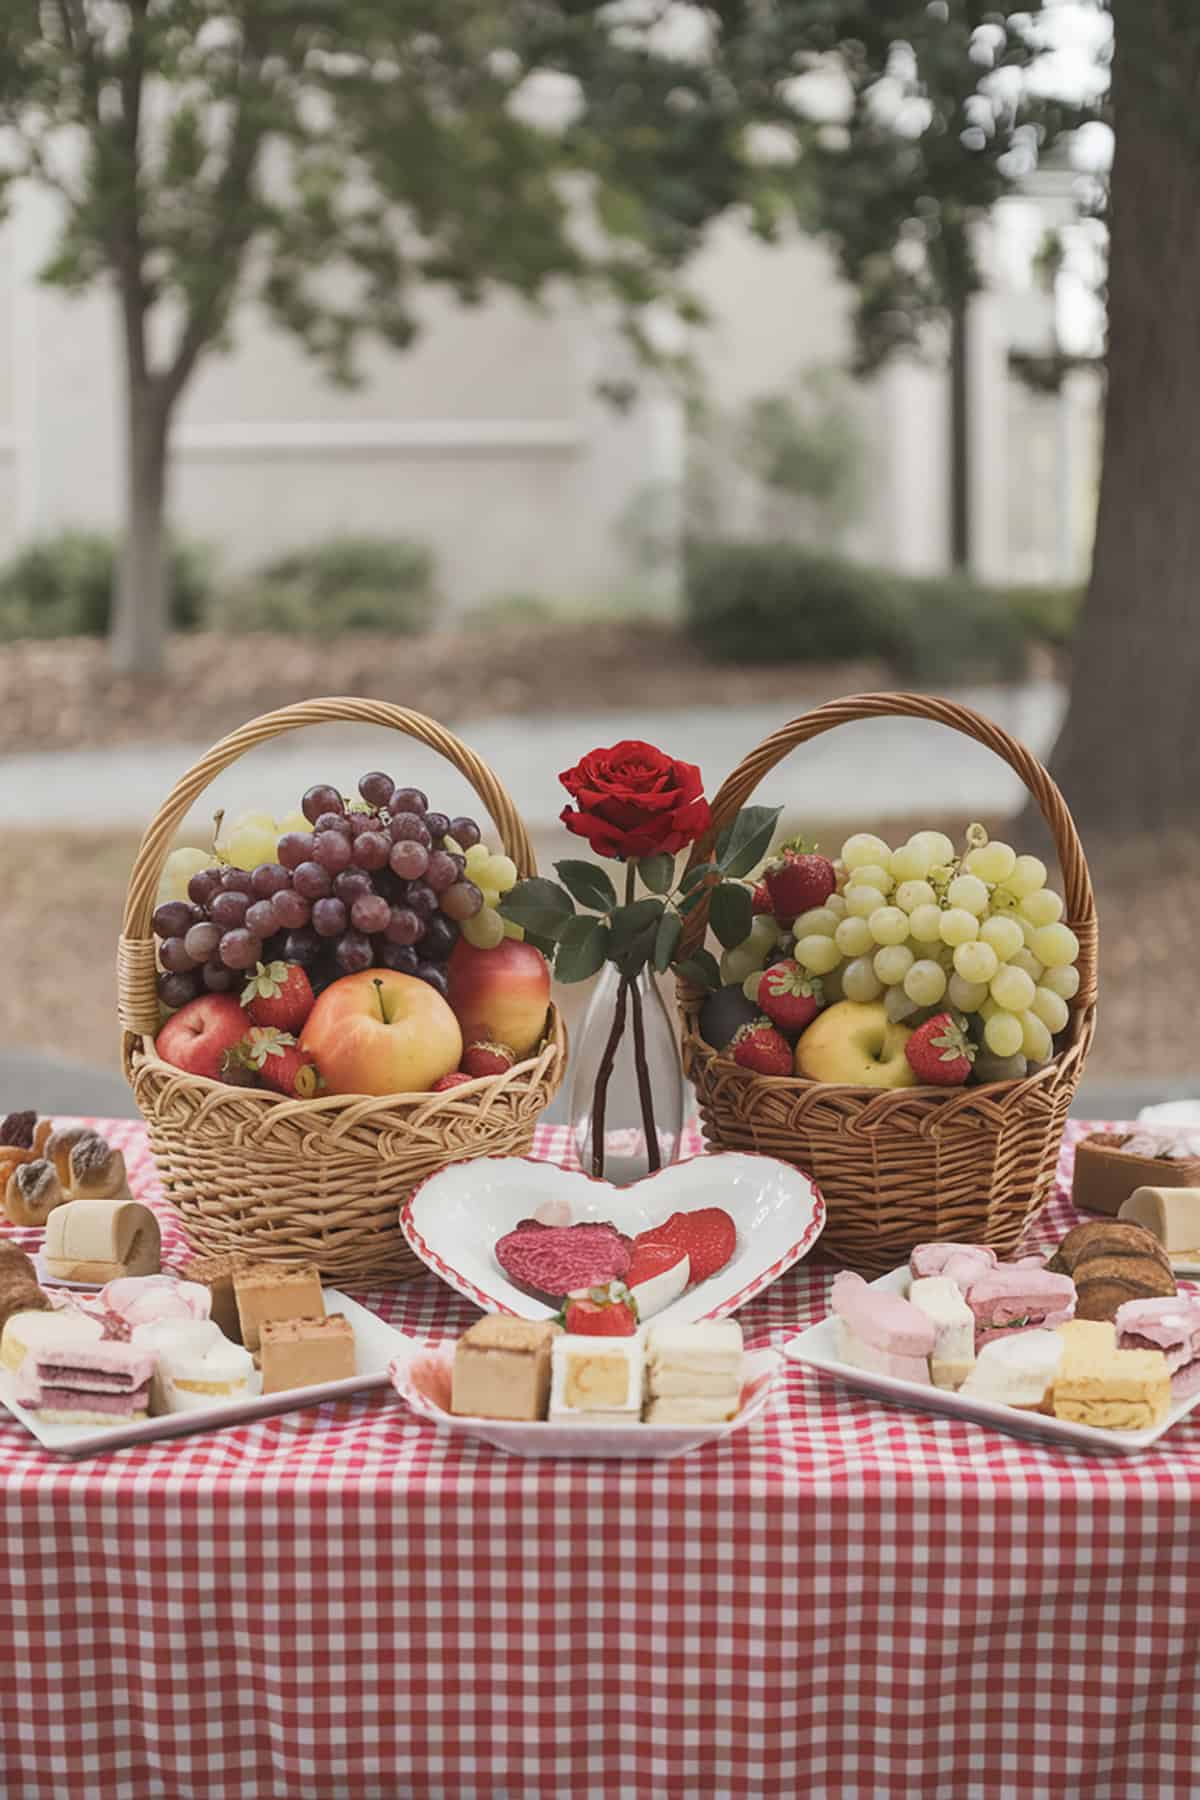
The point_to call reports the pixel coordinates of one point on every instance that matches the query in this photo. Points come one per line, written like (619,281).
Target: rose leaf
(587,884)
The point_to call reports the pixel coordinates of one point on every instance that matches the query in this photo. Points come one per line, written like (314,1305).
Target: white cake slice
(693,1372)
(595,1380)
(953,1355)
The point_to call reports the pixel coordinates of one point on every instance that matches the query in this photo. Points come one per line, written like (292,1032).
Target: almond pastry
(33,1192)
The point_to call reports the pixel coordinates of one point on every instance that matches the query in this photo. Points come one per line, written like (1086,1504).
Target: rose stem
(600,1097)
(653,1159)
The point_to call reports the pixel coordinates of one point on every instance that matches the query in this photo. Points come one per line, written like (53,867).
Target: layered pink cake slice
(97,1384)
(881,1331)
(959,1263)
(1170,1325)
(1010,1298)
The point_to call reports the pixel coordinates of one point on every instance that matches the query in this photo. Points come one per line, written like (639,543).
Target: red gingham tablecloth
(346,1603)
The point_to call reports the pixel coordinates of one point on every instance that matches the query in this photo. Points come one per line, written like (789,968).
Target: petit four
(27,1332)
(600,1312)
(1110,1165)
(216,1273)
(276,1291)
(961,1263)
(1172,1326)
(693,1372)
(595,1381)
(881,1331)
(95,1170)
(305,1352)
(1097,1384)
(100,1240)
(953,1353)
(33,1192)
(1112,1261)
(145,1299)
(1010,1299)
(19,1290)
(1018,1370)
(88,1384)
(1172,1215)
(195,1366)
(502,1368)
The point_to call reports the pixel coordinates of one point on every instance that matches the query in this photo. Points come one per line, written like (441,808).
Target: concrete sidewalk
(879,768)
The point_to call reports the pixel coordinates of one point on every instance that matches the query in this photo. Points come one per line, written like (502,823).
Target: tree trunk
(139,625)
(960,438)
(1128,756)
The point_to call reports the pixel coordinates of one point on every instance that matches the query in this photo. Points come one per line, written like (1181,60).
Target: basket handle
(736,790)
(136,970)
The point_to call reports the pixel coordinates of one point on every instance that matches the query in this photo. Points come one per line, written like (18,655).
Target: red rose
(633,801)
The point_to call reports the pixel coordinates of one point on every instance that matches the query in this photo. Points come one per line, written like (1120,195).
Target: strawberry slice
(601,1312)
(708,1235)
(652,1256)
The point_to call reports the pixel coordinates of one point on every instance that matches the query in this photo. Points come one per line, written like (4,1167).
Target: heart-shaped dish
(452,1222)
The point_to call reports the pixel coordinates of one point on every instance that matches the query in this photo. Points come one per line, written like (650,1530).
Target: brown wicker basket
(322,1179)
(899,1166)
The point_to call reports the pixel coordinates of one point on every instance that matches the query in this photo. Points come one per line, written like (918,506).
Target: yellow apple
(857,1046)
(380,1032)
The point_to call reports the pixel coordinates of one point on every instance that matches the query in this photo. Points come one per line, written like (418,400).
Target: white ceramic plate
(452,1222)
(56,1281)
(817,1348)
(375,1346)
(421,1375)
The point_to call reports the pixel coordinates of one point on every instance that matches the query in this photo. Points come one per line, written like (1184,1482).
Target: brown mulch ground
(64,895)
(63,695)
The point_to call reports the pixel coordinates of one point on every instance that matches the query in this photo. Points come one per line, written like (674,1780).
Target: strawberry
(601,1311)
(281,1062)
(708,1235)
(483,1058)
(760,1047)
(790,996)
(798,879)
(454,1079)
(279,994)
(652,1255)
(939,1052)
(760,898)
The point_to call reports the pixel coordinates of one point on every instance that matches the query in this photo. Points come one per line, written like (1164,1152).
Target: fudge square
(502,1368)
(306,1352)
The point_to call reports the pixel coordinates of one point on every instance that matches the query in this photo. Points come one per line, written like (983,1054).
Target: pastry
(195,1366)
(97,1171)
(1115,1390)
(216,1274)
(1111,1261)
(1109,1166)
(502,1368)
(1017,1370)
(300,1353)
(19,1290)
(962,1263)
(276,1291)
(595,1380)
(18,1131)
(59,1146)
(101,1240)
(1010,1299)
(1172,1214)
(146,1299)
(1172,1326)
(693,1372)
(881,1331)
(33,1192)
(29,1332)
(87,1384)
(953,1353)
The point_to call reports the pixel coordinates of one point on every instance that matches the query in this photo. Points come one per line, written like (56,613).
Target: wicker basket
(320,1179)
(902,1165)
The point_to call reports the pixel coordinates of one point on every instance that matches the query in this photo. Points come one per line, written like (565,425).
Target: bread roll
(59,1146)
(33,1192)
(97,1171)
(101,1240)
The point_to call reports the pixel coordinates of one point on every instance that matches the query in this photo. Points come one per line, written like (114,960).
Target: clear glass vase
(627,1090)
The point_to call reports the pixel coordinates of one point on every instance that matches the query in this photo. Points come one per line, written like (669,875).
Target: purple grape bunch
(369,885)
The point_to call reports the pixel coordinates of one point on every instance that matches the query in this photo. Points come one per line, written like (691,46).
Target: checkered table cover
(843,1599)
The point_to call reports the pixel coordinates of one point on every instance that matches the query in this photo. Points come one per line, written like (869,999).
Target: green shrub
(346,584)
(761,602)
(63,586)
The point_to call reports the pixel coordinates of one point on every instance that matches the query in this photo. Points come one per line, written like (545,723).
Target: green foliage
(774,602)
(346,584)
(62,586)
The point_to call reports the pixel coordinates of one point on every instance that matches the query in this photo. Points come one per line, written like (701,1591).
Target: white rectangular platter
(375,1344)
(421,1375)
(817,1349)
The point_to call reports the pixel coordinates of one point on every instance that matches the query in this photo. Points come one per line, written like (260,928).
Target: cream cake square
(596,1380)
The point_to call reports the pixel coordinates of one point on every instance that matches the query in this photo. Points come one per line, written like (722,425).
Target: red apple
(198,1035)
(500,995)
(380,1032)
